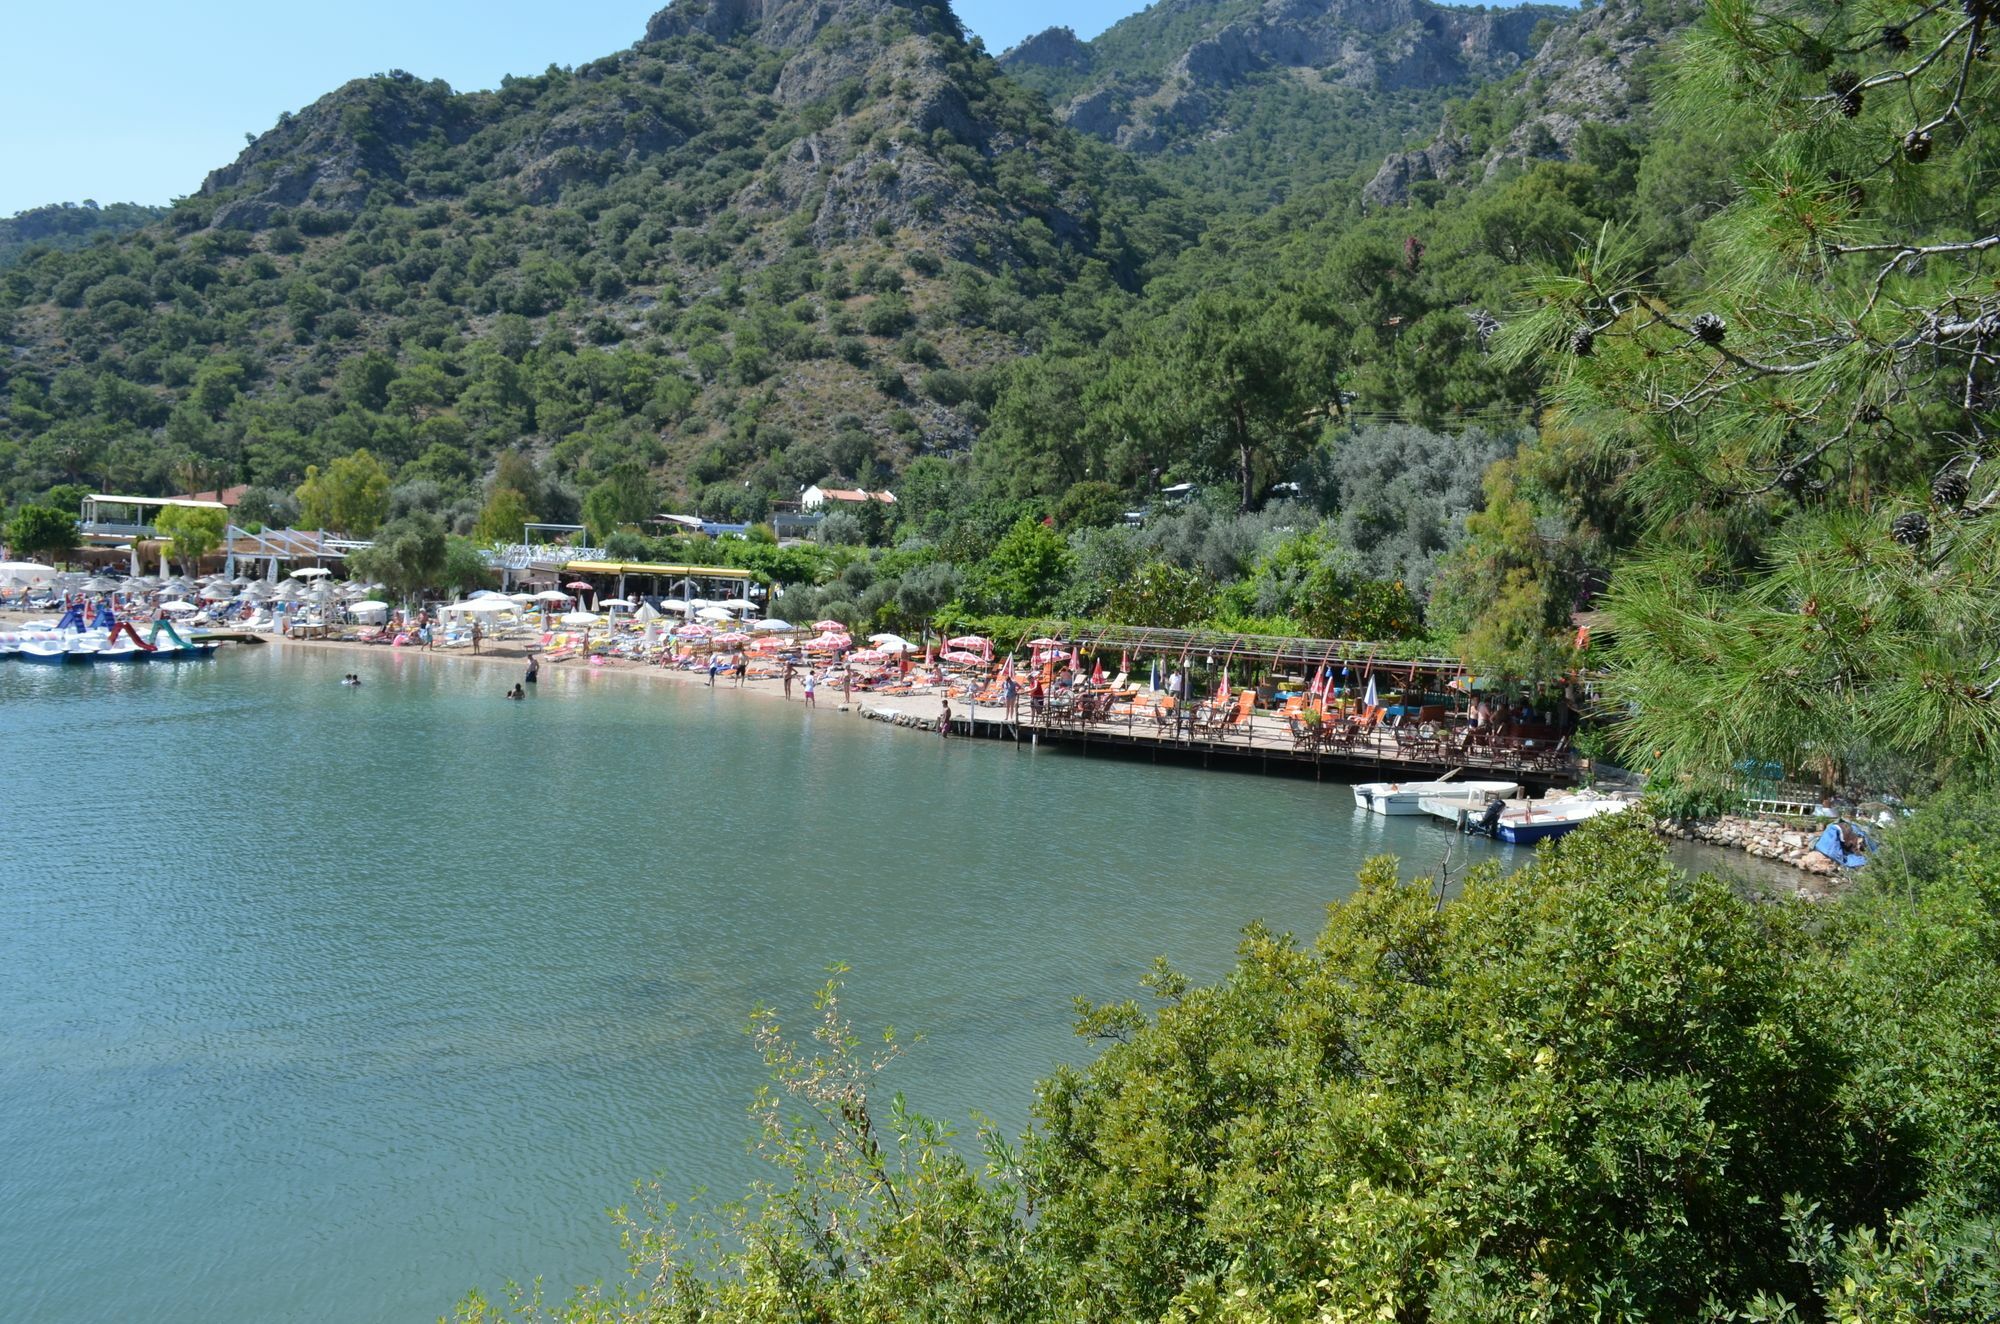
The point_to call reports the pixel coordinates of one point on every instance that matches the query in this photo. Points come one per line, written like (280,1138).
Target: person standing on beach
(476,633)
(788,681)
(714,665)
(742,669)
(1010,696)
(810,691)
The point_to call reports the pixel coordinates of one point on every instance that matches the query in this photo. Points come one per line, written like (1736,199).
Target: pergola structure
(683,581)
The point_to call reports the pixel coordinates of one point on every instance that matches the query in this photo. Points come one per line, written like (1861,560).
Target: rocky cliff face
(1160,75)
(1588,71)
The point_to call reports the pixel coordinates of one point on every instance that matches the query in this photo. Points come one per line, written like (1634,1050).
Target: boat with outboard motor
(1403,799)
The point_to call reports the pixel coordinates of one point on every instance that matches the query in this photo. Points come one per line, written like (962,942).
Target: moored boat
(1401,799)
(45,652)
(1545,822)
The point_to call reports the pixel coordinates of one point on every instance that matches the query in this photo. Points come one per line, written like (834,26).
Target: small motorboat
(1540,822)
(1401,799)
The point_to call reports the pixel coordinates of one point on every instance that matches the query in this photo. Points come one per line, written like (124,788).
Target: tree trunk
(1243,455)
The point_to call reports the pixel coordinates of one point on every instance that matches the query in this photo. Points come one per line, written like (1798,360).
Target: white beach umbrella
(697,604)
(772,626)
(482,607)
(646,614)
(741,604)
(368,606)
(582,618)
(551,595)
(676,606)
(522,598)
(716,614)
(311,572)
(616,604)
(178,608)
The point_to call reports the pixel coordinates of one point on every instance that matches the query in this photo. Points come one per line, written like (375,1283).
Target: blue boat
(1525,827)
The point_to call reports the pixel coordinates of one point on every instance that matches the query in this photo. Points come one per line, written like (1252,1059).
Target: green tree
(1026,570)
(1090,505)
(1810,434)
(465,568)
(628,495)
(350,496)
(1162,596)
(410,555)
(504,517)
(192,533)
(1238,385)
(43,531)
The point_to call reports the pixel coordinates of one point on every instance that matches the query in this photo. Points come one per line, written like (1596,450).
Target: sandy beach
(507,659)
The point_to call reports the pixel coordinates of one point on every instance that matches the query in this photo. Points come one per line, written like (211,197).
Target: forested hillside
(738,251)
(779,243)
(69,226)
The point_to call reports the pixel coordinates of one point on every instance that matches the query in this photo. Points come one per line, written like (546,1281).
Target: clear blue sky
(123,101)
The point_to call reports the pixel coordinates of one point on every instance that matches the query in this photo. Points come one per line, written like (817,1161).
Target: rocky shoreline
(1782,842)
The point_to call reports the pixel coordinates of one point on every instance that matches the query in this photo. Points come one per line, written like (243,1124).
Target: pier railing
(1228,728)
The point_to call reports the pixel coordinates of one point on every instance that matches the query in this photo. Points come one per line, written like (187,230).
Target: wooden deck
(1266,742)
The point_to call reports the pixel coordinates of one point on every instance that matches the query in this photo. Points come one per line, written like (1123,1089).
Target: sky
(136,101)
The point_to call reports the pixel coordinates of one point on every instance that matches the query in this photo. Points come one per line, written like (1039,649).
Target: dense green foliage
(68,225)
(1593,1089)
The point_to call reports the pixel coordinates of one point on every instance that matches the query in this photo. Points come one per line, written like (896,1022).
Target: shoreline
(511,657)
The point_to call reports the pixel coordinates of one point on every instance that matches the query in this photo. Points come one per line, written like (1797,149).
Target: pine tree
(1817,425)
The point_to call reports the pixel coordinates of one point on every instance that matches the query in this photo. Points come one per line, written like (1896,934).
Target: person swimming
(350,679)
(518,692)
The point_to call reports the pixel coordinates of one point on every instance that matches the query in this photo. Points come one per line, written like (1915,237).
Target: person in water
(534,670)
(944,722)
(518,692)
(350,679)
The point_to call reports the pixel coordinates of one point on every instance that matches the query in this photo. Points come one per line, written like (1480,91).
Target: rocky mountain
(775,223)
(1170,73)
(1592,70)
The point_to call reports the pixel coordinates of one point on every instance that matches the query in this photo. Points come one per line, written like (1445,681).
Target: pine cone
(1710,329)
(1842,81)
(1870,414)
(1950,490)
(1911,530)
(1917,146)
(1895,40)
(1981,9)
(1583,343)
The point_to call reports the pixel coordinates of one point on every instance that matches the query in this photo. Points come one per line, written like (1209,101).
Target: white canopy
(27,571)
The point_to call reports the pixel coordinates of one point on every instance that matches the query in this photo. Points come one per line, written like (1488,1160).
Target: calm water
(326,1005)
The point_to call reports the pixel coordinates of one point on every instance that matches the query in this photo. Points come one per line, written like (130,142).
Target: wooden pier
(1259,742)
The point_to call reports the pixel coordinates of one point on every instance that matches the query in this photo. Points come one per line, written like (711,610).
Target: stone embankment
(1784,842)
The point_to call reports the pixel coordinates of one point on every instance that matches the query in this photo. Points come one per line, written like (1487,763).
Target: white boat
(1543,820)
(1401,799)
(47,652)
